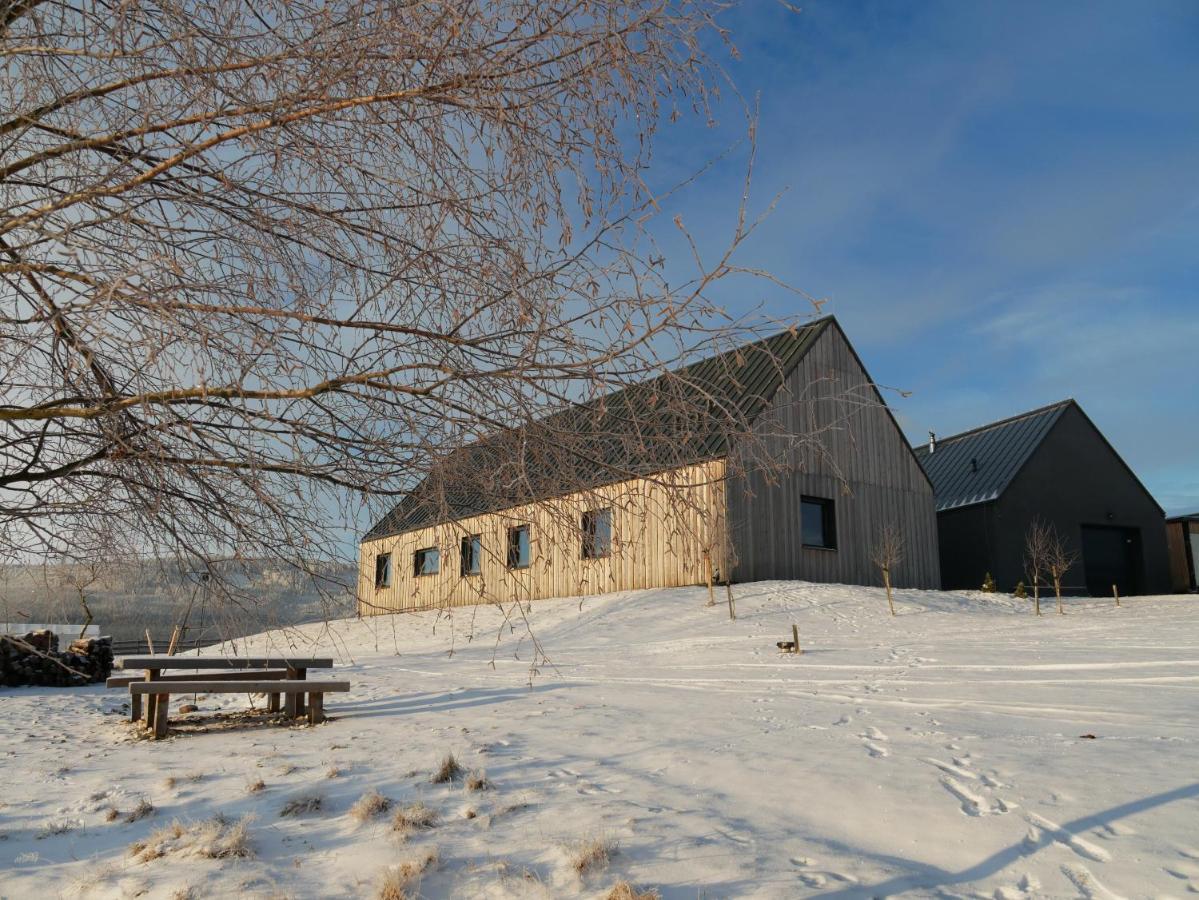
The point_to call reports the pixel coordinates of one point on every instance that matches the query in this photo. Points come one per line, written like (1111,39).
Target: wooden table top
(223,662)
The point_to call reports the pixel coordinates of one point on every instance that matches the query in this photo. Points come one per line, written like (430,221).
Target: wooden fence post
(1116,591)
(729,589)
(795,637)
(708,573)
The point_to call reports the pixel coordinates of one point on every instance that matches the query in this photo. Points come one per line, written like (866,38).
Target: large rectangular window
(383,570)
(597,533)
(520,553)
(818,523)
(471,560)
(426,561)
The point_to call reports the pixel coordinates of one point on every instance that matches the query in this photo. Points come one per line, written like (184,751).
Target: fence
(140,647)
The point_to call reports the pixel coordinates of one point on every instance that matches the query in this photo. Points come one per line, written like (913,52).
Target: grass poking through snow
(300,806)
(622,890)
(477,781)
(402,882)
(413,817)
(369,805)
(449,770)
(591,854)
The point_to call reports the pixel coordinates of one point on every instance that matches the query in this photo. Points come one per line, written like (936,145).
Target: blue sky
(999,200)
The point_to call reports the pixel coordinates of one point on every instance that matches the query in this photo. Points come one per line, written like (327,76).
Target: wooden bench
(135,704)
(294,669)
(160,702)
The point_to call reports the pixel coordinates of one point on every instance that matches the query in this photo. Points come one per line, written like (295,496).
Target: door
(1111,555)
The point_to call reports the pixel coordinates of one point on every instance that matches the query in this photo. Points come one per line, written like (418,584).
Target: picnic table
(272,675)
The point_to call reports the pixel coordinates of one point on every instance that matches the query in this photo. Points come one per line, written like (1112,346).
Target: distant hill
(125,600)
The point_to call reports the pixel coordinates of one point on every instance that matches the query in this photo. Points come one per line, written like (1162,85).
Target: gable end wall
(856,445)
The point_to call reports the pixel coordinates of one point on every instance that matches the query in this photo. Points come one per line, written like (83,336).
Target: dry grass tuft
(255,786)
(402,882)
(369,805)
(186,893)
(53,829)
(413,817)
(214,838)
(302,805)
(143,809)
(449,770)
(591,853)
(477,781)
(112,814)
(169,782)
(622,890)
(334,772)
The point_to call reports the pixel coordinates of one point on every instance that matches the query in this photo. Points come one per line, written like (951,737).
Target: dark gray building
(1051,464)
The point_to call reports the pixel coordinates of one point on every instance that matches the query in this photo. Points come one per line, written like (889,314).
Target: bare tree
(1036,558)
(1057,562)
(267,265)
(887,553)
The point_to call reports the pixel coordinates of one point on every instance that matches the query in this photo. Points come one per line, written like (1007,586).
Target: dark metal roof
(637,430)
(977,466)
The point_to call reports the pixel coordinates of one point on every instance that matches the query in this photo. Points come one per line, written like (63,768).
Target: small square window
(597,533)
(383,570)
(426,561)
(818,523)
(520,553)
(471,560)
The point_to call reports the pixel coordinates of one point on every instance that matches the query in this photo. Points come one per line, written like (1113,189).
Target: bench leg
(162,702)
(135,707)
(151,709)
(301,709)
(316,709)
(272,703)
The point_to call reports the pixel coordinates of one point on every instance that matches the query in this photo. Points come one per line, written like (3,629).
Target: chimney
(932,443)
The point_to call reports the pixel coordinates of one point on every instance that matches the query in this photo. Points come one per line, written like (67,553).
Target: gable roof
(636,430)
(976,466)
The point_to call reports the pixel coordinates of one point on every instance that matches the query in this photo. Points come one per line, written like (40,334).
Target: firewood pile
(35,659)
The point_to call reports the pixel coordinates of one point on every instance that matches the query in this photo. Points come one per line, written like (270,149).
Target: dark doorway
(1110,556)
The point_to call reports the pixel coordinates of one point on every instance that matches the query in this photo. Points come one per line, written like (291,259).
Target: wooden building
(1051,464)
(839,468)
(1182,541)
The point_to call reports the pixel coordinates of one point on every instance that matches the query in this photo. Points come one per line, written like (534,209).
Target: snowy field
(947,752)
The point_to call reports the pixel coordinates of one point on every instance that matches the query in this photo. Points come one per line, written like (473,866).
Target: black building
(1051,464)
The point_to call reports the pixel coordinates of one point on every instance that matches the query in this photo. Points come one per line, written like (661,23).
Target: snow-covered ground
(946,752)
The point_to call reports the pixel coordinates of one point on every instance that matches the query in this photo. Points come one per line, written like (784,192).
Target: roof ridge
(979,428)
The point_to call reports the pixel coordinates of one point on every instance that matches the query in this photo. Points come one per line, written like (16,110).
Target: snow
(938,753)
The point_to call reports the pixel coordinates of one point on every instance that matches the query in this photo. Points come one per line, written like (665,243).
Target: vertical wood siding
(661,529)
(858,457)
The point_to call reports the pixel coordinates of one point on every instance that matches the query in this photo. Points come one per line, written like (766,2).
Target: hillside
(963,748)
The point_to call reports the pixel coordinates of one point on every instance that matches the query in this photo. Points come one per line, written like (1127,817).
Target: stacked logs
(34,659)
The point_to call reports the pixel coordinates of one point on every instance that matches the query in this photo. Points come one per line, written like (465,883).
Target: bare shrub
(622,890)
(414,817)
(478,781)
(887,553)
(300,806)
(112,814)
(591,853)
(369,805)
(449,770)
(1036,558)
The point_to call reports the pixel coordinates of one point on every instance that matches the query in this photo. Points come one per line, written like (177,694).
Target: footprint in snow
(874,734)
(844,720)
(875,750)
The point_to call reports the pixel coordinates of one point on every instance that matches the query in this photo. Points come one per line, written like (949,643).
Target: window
(383,570)
(519,551)
(426,561)
(818,523)
(597,533)
(472,554)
